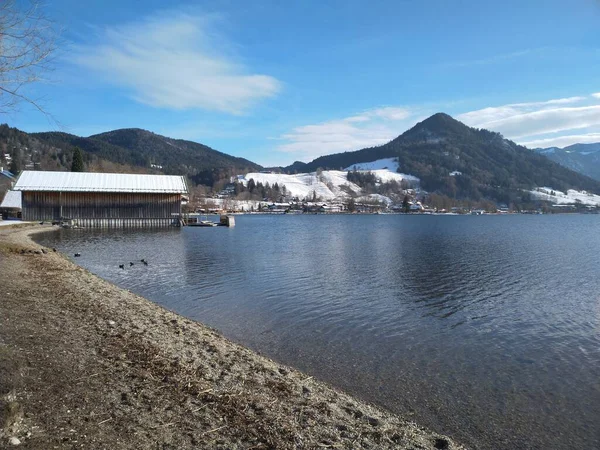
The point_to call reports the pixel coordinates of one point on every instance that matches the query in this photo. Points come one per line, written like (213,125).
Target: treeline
(259,191)
(370,184)
(27,152)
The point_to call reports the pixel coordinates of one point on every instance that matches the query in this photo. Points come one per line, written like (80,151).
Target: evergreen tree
(251,185)
(15,164)
(351,205)
(405,204)
(77,165)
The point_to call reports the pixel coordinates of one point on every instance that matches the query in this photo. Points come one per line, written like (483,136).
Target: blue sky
(276,81)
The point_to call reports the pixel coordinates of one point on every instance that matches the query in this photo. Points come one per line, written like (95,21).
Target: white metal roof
(12,199)
(31,180)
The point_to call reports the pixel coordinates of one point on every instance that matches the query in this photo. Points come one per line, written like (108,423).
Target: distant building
(335,208)
(10,207)
(7,174)
(415,206)
(7,179)
(101,199)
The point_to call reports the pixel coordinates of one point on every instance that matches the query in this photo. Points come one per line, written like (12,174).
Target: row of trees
(16,161)
(258,191)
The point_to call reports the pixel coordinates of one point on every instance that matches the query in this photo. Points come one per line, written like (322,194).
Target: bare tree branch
(27,41)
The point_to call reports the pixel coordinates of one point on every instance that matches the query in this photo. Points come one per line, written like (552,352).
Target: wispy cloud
(368,128)
(175,61)
(596,95)
(485,117)
(495,59)
(532,122)
(542,122)
(563,141)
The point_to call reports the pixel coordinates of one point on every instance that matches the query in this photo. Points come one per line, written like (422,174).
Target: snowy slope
(562,198)
(385,176)
(328,185)
(387,163)
(384,169)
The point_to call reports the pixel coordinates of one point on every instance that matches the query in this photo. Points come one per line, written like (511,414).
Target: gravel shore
(85,364)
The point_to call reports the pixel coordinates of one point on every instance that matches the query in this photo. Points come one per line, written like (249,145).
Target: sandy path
(84,364)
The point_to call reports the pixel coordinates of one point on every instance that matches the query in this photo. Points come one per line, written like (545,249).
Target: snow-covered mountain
(459,162)
(582,158)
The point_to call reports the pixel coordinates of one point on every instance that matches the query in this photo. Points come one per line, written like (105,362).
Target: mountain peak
(440,116)
(438,125)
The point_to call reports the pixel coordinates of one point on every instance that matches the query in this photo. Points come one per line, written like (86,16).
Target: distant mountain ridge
(449,158)
(144,148)
(483,163)
(582,158)
(124,150)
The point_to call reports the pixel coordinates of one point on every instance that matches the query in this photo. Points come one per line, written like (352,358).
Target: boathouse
(110,200)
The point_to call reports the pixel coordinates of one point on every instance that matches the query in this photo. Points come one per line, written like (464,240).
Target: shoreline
(86,364)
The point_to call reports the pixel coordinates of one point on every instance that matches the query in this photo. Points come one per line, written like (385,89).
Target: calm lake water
(485,328)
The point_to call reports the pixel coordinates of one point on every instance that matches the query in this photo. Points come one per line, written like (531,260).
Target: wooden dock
(195,220)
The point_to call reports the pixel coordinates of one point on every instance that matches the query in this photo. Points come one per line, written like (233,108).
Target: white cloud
(369,128)
(175,61)
(546,121)
(482,118)
(563,141)
(390,113)
(596,95)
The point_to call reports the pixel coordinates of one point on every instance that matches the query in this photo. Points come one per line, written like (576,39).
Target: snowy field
(390,164)
(562,198)
(385,176)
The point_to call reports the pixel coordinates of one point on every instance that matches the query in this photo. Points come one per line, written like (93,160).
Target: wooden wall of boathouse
(103,209)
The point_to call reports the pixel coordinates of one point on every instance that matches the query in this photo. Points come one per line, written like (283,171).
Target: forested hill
(483,164)
(26,151)
(141,148)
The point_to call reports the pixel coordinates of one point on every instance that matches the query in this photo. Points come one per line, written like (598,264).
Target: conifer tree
(77,165)
(15,164)
(405,204)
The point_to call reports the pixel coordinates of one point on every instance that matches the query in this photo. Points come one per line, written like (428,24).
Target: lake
(485,328)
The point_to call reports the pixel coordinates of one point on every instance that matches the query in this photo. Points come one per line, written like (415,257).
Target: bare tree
(27,41)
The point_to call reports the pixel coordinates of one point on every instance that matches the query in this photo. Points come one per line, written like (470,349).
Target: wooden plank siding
(97,208)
